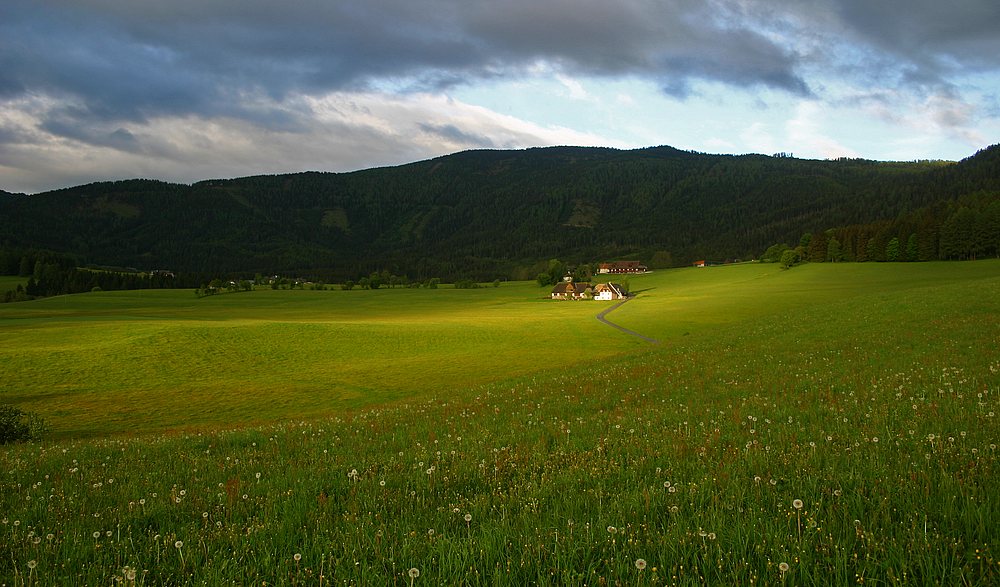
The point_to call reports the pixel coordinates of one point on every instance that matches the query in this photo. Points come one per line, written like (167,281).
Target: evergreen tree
(892,250)
(912,249)
(834,253)
(818,248)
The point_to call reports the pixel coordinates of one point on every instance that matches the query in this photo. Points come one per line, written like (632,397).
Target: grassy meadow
(138,361)
(831,424)
(8,282)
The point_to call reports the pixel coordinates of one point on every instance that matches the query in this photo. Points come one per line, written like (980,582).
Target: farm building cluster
(570,290)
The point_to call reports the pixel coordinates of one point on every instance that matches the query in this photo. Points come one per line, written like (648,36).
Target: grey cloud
(129,60)
(115,61)
(452,133)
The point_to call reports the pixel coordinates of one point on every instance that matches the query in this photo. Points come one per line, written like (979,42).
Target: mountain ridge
(483,213)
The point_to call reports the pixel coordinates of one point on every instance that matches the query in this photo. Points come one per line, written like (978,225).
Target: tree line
(51,274)
(964,228)
(478,215)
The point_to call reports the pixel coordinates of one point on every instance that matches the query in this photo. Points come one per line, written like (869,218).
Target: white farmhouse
(609,291)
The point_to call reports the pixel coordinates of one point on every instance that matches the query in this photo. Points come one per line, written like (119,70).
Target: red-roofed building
(622,267)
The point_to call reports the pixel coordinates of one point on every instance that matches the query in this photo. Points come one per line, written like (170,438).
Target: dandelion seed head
(413,573)
(468,517)
(797,504)
(179,544)
(640,563)
(783,567)
(32,564)
(297,556)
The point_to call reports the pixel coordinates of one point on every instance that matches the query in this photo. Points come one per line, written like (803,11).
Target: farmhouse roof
(615,288)
(569,287)
(622,267)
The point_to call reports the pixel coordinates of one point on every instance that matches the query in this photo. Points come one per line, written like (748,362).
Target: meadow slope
(843,431)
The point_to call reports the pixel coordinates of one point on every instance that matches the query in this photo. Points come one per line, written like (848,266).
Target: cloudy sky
(184,90)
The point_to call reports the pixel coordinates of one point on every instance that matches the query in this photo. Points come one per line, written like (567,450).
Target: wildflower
(430,532)
(32,564)
(797,504)
(179,544)
(612,529)
(640,563)
(297,556)
(97,535)
(468,518)
(783,567)
(413,573)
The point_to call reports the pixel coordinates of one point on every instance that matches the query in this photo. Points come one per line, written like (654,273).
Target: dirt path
(604,313)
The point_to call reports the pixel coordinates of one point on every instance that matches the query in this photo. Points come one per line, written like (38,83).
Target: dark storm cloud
(108,61)
(122,59)
(936,36)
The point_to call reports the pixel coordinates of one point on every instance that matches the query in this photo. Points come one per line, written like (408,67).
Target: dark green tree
(17,425)
(773,253)
(834,253)
(892,250)
(912,249)
(789,258)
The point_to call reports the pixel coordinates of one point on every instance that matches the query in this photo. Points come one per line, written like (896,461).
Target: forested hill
(486,214)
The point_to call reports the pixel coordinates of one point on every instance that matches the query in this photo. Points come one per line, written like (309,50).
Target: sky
(187,90)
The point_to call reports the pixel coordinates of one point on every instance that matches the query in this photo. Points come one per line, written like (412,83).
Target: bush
(789,258)
(17,425)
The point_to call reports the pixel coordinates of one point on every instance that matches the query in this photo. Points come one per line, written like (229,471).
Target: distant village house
(567,289)
(609,292)
(622,267)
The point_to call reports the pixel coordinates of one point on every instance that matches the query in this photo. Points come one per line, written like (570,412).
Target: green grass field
(9,282)
(826,425)
(111,362)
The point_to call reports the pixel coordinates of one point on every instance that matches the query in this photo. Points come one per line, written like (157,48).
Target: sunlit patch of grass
(848,442)
(126,362)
